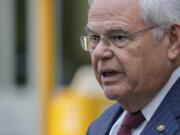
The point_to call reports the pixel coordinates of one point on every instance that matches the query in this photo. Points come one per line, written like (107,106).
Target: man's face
(132,74)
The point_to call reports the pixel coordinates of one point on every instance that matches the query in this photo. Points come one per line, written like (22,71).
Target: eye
(118,38)
(93,38)
(93,41)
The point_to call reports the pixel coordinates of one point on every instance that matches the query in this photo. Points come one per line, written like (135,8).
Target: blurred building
(39,55)
(19,100)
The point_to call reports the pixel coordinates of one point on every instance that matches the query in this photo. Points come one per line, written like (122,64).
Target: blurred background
(47,86)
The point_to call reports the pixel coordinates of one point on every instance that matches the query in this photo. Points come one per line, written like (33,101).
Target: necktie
(131,121)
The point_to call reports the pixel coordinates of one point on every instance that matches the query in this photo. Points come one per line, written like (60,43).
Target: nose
(102,51)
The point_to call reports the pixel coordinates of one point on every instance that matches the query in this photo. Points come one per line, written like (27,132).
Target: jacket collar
(106,127)
(164,121)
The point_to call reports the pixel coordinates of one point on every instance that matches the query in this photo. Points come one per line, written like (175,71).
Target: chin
(116,93)
(112,94)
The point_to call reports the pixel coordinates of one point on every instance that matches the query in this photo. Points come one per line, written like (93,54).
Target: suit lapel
(106,127)
(166,114)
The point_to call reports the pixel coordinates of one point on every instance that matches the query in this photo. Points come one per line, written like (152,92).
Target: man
(135,51)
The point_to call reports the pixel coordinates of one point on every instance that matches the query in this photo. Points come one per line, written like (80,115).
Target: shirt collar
(150,109)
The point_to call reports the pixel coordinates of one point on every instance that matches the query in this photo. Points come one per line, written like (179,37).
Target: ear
(174,44)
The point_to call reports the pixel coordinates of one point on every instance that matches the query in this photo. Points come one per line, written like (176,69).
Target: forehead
(109,13)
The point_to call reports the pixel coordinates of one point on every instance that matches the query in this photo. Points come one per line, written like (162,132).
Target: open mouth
(109,73)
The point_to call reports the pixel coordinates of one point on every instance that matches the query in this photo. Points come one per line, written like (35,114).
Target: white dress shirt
(149,109)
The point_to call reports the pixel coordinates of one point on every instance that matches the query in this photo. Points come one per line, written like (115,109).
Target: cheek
(132,62)
(140,63)
(135,71)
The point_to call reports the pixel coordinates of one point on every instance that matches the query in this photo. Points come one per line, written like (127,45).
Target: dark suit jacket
(168,114)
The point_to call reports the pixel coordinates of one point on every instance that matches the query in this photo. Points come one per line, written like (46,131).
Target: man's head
(134,47)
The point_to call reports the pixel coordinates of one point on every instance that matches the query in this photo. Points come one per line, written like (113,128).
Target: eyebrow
(88,30)
(113,30)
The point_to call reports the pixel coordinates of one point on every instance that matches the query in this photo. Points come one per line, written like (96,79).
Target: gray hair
(163,13)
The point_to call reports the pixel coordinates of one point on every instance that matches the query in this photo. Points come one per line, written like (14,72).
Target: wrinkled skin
(134,74)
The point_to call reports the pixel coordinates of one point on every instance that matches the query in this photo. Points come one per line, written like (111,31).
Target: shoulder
(107,115)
